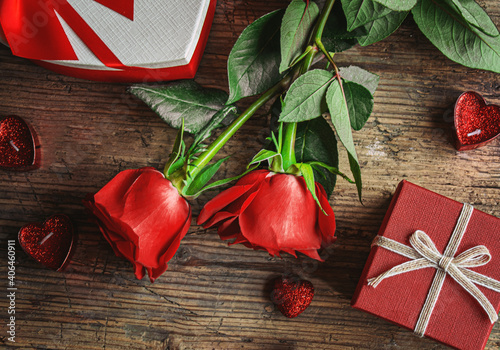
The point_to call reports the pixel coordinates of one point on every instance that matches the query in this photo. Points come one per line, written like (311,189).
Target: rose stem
(288,151)
(212,150)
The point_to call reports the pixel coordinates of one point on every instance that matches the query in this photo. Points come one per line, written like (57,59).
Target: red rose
(274,212)
(143,217)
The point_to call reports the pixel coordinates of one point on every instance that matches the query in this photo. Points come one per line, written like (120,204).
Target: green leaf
(202,178)
(361,12)
(461,42)
(360,76)
(308,175)
(270,156)
(316,141)
(253,64)
(476,16)
(382,27)
(359,102)
(341,122)
(305,98)
(182,100)
(398,5)
(295,27)
(229,112)
(336,37)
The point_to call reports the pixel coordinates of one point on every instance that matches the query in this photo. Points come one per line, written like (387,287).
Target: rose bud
(274,212)
(143,217)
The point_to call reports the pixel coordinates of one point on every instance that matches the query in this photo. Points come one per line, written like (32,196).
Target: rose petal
(172,249)
(283,214)
(312,253)
(225,198)
(229,229)
(139,271)
(326,223)
(156,212)
(143,217)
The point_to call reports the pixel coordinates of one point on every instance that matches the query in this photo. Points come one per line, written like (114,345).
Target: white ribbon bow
(424,254)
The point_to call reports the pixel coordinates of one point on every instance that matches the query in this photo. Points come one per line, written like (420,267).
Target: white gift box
(109,40)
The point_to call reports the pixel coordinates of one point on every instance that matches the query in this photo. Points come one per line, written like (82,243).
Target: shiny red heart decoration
(292,295)
(50,243)
(476,123)
(17,144)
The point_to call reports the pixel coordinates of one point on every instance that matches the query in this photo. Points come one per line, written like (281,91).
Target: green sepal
(307,173)
(195,185)
(222,182)
(177,152)
(278,143)
(331,169)
(175,166)
(275,160)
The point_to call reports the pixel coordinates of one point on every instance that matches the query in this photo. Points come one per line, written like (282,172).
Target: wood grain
(214,296)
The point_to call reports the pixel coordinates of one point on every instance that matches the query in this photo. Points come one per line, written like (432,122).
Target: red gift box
(457,319)
(106,40)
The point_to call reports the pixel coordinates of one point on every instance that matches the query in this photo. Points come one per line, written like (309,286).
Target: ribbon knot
(445,263)
(423,254)
(473,257)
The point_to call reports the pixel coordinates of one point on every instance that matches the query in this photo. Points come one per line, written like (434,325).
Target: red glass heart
(50,243)
(292,295)
(476,123)
(17,144)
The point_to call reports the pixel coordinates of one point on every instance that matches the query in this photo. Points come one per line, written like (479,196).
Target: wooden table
(214,296)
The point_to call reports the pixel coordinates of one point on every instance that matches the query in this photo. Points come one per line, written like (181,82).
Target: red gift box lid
(457,319)
(126,40)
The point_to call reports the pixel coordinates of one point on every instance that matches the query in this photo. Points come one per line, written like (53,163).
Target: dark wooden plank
(214,296)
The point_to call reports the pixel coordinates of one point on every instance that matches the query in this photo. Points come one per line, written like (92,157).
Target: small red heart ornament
(17,144)
(292,295)
(50,243)
(476,123)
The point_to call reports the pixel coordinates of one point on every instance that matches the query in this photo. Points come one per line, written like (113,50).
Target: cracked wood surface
(214,296)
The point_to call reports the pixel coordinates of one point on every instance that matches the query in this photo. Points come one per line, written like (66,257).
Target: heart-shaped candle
(17,144)
(292,295)
(50,243)
(476,123)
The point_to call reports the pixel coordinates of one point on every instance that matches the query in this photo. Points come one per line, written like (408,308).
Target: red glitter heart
(476,123)
(292,295)
(49,243)
(17,144)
